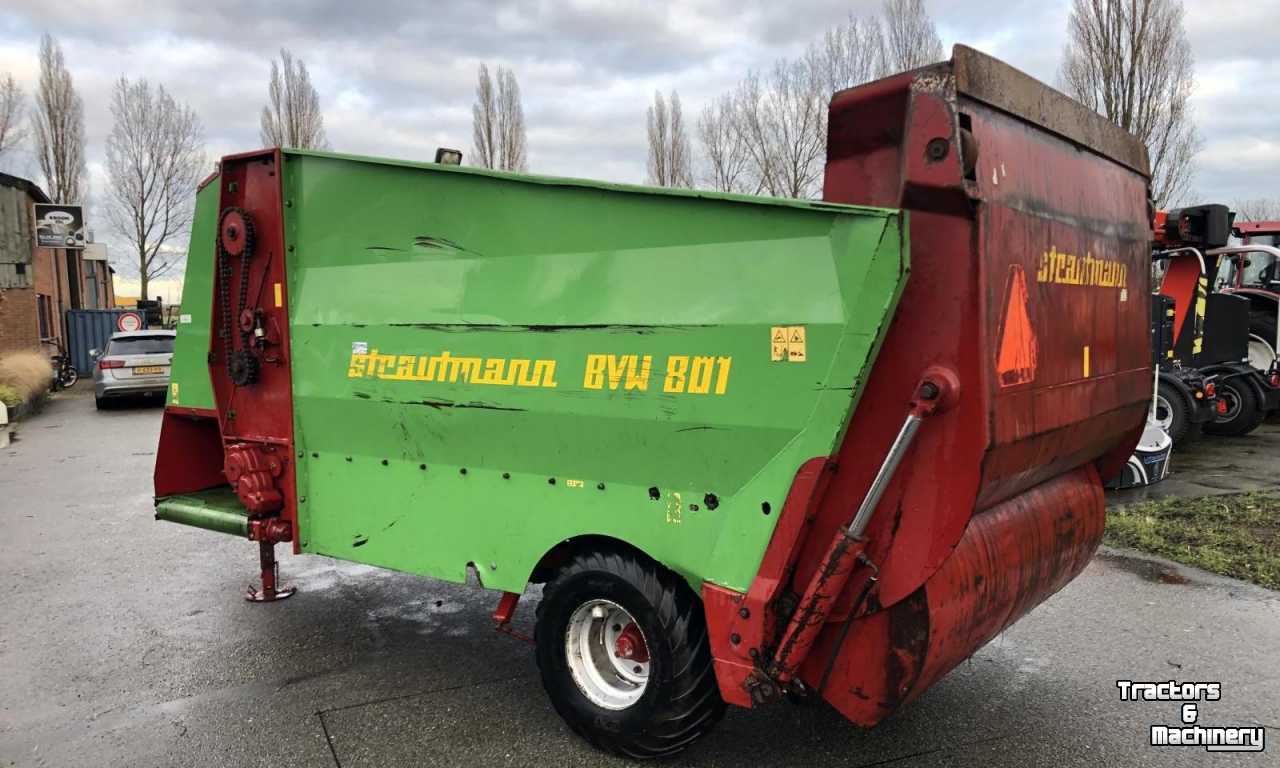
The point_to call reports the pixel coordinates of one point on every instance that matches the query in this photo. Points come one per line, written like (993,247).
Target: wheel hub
(607,654)
(1164,413)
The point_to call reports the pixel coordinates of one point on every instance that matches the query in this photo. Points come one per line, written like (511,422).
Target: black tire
(681,700)
(70,378)
(1180,425)
(1244,410)
(99,403)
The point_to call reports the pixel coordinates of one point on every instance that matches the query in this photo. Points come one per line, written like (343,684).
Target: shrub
(27,373)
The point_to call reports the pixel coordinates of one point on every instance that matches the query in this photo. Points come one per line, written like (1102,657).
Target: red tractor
(1252,270)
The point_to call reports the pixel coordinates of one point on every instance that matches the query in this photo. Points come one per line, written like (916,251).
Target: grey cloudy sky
(397,78)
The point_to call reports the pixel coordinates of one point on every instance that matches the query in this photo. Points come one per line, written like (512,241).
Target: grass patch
(1237,536)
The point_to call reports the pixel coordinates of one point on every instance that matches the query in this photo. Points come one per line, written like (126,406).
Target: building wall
(28,273)
(18,321)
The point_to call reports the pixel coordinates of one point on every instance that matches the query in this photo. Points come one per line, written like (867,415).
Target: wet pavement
(1209,466)
(124,642)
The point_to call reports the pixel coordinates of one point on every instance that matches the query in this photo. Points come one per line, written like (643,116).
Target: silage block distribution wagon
(752,447)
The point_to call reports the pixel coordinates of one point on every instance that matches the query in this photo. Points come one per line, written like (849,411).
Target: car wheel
(1243,412)
(1173,413)
(99,403)
(624,656)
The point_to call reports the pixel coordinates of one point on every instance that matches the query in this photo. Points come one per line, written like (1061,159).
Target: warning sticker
(777,343)
(787,342)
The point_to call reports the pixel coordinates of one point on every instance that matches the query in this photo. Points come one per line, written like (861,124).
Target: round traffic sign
(129,321)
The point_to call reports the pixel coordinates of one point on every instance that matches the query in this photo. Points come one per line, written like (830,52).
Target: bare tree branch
(484,121)
(1130,61)
(851,54)
(292,116)
(12,131)
(1258,209)
(497,123)
(724,150)
(911,39)
(511,134)
(58,119)
(783,121)
(154,159)
(770,135)
(670,161)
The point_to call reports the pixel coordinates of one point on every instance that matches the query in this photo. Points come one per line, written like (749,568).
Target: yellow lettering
(722,380)
(677,370)
(593,377)
(700,375)
(544,371)
(356,368)
(639,379)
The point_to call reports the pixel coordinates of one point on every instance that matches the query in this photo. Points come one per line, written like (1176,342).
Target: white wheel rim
(608,677)
(1164,414)
(1261,355)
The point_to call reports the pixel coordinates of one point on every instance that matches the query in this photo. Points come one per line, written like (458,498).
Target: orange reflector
(1016,360)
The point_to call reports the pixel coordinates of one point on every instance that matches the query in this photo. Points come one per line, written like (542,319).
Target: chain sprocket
(236,239)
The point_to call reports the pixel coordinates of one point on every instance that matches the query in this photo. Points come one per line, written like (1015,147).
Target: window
(140,345)
(91,286)
(43,315)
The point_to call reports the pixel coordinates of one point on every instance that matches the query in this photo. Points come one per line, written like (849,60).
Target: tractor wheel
(1262,339)
(1173,413)
(1243,411)
(623,651)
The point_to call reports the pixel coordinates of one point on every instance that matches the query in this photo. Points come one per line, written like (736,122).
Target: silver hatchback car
(134,363)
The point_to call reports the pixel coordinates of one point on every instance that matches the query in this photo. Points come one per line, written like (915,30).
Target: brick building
(39,285)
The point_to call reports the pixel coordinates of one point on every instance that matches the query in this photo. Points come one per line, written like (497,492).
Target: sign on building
(59,226)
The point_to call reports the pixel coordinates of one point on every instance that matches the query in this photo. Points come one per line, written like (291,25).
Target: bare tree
(511,132)
(783,121)
(1130,61)
(58,118)
(724,149)
(851,54)
(670,158)
(292,116)
(1258,209)
(780,118)
(154,160)
(498,132)
(12,131)
(911,38)
(484,122)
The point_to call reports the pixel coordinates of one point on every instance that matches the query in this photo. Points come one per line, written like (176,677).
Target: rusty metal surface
(1010,559)
(1030,281)
(997,84)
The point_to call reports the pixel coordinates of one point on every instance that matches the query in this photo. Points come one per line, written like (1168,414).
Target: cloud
(397,78)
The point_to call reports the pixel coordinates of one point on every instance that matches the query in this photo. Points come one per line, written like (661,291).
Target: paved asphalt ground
(124,642)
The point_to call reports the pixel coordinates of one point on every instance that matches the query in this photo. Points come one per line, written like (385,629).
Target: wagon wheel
(622,648)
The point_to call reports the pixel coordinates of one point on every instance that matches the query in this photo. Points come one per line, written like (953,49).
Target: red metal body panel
(1010,559)
(258,416)
(189,457)
(1030,245)
(753,618)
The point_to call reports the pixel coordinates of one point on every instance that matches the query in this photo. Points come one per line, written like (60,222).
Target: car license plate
(147,369)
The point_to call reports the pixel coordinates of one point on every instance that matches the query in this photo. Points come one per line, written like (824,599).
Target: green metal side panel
(189,375)
(449,404)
